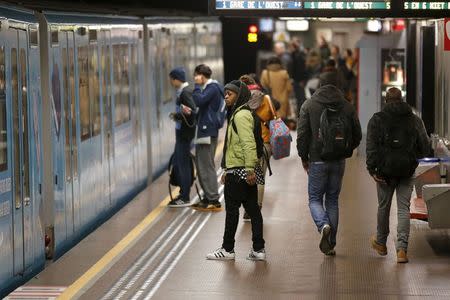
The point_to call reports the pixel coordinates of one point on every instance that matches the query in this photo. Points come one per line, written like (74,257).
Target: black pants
(238,192)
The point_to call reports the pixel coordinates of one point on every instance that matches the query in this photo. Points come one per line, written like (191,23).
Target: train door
(22,224)
(71,180)
(105,41)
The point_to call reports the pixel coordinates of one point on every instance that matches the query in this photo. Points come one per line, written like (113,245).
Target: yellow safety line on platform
(100,267)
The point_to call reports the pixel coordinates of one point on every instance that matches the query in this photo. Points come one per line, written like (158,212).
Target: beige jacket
(275,78)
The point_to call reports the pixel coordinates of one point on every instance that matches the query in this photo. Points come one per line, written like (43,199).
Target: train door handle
(27,201)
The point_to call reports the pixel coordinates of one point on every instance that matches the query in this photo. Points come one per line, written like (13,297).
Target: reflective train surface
(83,120)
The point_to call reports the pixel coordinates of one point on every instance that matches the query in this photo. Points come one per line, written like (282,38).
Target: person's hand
(172,116)
(251,178)
(186,110)
(305,165)
(379,179)
(222,179)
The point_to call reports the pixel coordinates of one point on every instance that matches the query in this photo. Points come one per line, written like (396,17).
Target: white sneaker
(256,255)
(221,254)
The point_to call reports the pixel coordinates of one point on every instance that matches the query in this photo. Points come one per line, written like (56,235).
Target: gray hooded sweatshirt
(308,124)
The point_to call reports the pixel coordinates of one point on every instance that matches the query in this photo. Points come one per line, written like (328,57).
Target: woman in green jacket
(239,161)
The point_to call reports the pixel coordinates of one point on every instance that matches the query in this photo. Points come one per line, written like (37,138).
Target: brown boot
(381,249)
(402,257)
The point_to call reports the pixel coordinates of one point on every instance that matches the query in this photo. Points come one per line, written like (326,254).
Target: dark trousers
(300,96)
(182,165)
(238,192)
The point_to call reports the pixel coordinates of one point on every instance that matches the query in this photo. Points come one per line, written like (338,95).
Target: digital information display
(430,5)
(317,8)
(299,5)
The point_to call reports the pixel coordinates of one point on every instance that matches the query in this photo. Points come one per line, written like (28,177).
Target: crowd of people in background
(296,68)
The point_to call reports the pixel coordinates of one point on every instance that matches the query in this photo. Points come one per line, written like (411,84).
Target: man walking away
(208,96)
(396,139)
(239,161)
(184,133)
(328,132)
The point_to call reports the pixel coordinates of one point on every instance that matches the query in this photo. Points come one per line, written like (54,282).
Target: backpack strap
(271,108)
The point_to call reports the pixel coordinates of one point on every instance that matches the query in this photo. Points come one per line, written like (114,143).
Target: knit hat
(178,73)
(233,86)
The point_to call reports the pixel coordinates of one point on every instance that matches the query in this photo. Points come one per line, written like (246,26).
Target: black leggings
(238,192)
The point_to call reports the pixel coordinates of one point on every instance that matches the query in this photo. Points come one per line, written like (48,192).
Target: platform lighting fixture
(374,26)
(297,25)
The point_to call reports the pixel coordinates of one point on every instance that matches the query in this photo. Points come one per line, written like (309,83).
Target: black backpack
(397,153)
(173,177)
(257,133)
(335,134)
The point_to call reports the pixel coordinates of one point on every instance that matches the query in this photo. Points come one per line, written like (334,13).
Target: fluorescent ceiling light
(297,25)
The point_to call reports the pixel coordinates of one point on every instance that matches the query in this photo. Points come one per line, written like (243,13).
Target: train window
(121,84)
(125,84)
(25,137)
(134,87)
(54,37)
(15,113)
(33,36)
(73,112)
(3,120)
(150,34)
(83,92)
(140,35)
(66,112)
(105,60)
(92,36)
(94,79)
(117,90)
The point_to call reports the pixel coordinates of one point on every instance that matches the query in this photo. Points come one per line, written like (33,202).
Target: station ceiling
(122,7)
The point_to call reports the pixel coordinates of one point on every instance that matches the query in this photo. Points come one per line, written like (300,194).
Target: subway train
(84,103)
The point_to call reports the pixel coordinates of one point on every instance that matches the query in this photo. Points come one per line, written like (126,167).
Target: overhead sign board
(299,5)
(317,8)
(430,5)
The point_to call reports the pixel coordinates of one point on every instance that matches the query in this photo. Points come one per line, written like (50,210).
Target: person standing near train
(209,98)
(184,133)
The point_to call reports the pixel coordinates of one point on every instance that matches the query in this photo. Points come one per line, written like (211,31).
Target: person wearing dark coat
(184,116)
(378,129)
(208,96)
(324,177)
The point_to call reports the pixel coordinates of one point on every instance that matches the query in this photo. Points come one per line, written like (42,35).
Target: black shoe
(200,203)
(246,217)
(179,202)
(208,206)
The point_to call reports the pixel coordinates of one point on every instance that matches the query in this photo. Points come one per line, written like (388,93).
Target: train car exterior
(84,103)
(21,231)
(95,80)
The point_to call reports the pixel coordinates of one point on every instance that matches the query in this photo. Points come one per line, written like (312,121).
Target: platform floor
(168,262)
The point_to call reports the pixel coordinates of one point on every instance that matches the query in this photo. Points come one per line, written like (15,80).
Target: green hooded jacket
(241,146)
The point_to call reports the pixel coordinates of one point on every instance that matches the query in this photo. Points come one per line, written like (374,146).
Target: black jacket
(188,123)
(308,145)
(375,131)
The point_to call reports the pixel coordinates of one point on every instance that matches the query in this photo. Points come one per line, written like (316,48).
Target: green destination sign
(437,5)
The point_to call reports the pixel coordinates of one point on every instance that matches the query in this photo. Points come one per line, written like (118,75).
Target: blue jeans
(182,165)
(325,179)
